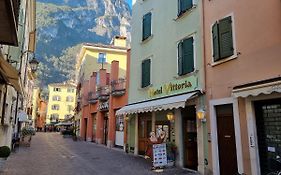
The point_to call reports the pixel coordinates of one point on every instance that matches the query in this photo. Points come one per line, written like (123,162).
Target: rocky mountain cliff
(62,25)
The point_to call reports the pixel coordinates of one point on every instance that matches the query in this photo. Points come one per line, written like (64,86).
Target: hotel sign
(174,87)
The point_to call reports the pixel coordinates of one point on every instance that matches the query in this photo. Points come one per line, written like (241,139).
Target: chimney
(119,41)
(102,74)
(93,82)
(114,70)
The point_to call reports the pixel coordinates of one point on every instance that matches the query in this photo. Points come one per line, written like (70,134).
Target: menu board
(159,155)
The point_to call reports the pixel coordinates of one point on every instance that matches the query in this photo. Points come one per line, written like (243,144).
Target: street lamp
(33,64)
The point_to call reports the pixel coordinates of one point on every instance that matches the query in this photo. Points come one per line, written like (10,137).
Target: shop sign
(159,155)
(174,87)
(103,106)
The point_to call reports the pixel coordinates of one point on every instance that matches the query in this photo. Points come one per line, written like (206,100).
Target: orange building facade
(99,97)
(41,117)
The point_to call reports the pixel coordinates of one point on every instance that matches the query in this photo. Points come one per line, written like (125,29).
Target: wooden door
(145,127)
(94,126)
(226,140)
(105,129)
(190,138)
(86,128)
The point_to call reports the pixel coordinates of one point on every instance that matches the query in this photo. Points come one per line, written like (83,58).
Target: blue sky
(129,2)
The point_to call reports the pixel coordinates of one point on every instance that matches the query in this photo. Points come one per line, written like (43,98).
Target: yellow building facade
(90,57)
(61,102)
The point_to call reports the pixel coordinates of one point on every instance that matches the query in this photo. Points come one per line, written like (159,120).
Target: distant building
(101,78)
(61,102)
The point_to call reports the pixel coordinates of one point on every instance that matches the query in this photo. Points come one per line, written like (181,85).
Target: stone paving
(51,154)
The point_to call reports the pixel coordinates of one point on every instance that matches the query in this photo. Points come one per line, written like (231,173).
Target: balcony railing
(103,93)
(92,97)
(118,87)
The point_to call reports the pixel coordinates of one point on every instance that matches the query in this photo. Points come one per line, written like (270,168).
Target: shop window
(120,123)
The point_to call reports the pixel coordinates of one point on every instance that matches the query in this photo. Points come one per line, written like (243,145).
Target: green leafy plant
(4,151)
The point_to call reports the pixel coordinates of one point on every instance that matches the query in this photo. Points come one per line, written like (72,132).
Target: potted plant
(5,152)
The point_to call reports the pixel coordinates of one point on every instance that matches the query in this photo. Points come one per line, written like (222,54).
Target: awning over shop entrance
(10,74)
(259,87)
(173,102)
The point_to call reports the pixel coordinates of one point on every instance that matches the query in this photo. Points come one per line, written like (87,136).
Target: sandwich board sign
(159,155)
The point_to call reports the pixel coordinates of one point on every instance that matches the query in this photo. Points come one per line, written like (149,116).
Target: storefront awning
(10,74)
(259,87)
(168,103)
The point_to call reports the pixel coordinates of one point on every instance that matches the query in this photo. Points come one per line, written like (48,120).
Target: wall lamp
(201,115)
(170,116)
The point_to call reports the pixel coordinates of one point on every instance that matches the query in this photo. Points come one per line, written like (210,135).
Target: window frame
(150,73)
(194,54)
(151,26)
(235,53)
(56,98)
(53,107)
(181,13)
(105,60)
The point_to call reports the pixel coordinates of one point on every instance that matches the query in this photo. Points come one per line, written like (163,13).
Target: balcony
(92,98)
(118,87)
(103,93)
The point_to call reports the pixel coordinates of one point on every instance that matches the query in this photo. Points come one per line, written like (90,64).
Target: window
(56,98)
(185,56)
(71,90)
(67,116)
(222,39)
(102,58)
(146,26)
(54,117)
(145,74)
(183,6)
(69,99)
(69,108)
(55,107)
(57,89)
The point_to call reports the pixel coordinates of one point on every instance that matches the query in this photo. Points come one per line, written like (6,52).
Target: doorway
(86,128)
(190,138)
(268,123)
(145,127)
(226,140)
(94,127)
(105,128)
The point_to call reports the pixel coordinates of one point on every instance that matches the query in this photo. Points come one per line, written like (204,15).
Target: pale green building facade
(167,79)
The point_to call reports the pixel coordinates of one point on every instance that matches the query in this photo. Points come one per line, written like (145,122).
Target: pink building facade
(242,41)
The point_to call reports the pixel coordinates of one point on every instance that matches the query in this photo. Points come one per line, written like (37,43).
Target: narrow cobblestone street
(51,154)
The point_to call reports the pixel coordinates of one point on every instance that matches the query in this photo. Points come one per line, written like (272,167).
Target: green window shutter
(215,37)
(225,37)
(145,73)
(146,26)
(180,58)
(188,56)
(184,5)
